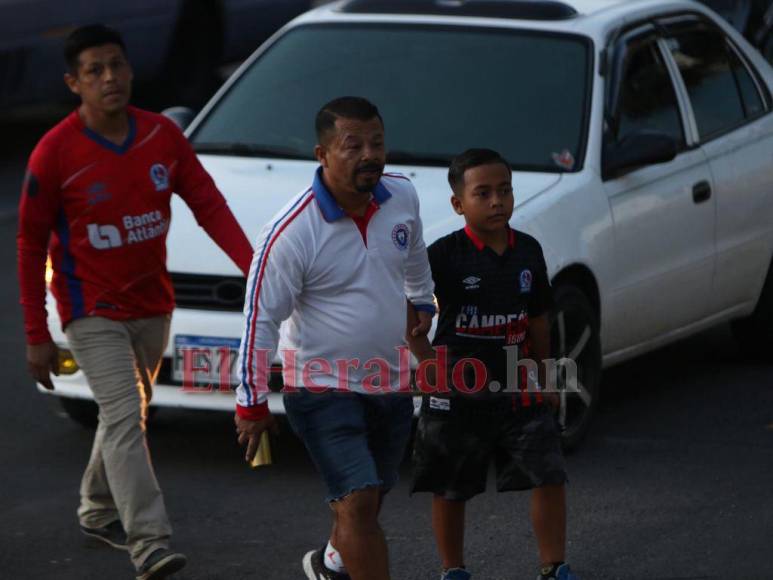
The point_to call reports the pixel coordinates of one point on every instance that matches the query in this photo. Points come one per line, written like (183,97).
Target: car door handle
(701,192)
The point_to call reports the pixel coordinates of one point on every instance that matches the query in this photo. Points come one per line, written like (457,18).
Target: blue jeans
(356,441)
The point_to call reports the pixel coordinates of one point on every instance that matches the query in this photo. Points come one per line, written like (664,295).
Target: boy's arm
(539,339)
(419,345)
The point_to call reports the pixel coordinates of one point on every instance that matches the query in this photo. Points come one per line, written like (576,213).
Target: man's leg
(359,537)
(448,525)
(103,349)
(548,517)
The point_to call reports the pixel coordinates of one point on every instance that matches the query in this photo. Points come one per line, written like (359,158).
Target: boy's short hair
(347,108)
(469,159)
(87,37)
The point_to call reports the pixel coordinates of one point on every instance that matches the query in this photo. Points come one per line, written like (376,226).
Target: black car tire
(575,334)
(85,411)
(755,332)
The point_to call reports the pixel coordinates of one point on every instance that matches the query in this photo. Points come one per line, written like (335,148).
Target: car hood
(258,188)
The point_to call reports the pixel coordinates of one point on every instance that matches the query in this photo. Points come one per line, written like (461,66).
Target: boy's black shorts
(458,437)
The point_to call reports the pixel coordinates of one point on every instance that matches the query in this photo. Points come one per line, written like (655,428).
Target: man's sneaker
(456,574)
(112,534)
(160,564)
(561,573)
(315,569)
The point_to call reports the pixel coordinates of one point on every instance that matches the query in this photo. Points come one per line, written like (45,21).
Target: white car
(640,135)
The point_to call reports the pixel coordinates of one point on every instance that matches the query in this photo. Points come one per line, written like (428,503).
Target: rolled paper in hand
(263,454)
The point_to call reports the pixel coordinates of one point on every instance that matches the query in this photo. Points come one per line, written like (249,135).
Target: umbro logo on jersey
(471,283)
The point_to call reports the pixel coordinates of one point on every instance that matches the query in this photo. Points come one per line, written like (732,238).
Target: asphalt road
(675,480)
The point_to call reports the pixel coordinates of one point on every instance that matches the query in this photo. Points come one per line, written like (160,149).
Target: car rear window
(440,90)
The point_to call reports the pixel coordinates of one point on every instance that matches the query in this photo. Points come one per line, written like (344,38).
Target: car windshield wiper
(408,158)
(249,150)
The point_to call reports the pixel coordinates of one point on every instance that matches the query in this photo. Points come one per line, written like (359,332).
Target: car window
(440,91)
(703,60)
(750,95)
(647,98)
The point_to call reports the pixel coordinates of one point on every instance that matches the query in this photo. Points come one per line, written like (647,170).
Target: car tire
(85,411)
(82,411)
(191,68)
(575,335)
(755,332)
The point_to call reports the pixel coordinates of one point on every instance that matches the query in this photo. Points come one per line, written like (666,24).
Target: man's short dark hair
(469,159)
(344,108)
(87,37)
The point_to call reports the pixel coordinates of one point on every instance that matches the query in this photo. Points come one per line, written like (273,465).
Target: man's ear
(456,203)
(320,152)
(72,83)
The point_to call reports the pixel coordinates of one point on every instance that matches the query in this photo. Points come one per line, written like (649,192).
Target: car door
(663,213)
(730,105)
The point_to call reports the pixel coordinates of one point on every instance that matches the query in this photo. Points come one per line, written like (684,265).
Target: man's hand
(249,433)
(42,360)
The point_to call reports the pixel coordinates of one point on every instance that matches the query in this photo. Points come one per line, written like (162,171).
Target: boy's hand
(424,323)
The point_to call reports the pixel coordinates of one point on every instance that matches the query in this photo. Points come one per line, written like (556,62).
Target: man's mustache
(370,167)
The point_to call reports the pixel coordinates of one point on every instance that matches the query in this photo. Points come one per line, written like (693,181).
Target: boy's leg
(448,525)
(548,517)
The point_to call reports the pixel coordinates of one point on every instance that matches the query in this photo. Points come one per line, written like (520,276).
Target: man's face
(353,157)
(103,79)
(487,198)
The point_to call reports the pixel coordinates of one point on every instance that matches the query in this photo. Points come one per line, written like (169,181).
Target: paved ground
(674,482)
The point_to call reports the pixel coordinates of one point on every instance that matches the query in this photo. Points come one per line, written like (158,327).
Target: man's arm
(419,286)
(274,282)
(38,211)
(208,205)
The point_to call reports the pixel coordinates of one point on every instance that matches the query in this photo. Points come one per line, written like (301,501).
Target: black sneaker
(160,564)
(112,534)
(315,569)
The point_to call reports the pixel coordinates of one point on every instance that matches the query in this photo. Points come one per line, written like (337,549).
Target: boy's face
(486,201)
(103,78)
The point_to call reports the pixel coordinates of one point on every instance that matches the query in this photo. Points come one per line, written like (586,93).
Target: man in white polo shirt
(338,263)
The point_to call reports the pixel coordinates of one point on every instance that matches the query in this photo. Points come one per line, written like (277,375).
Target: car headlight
(67,364)
(49,271)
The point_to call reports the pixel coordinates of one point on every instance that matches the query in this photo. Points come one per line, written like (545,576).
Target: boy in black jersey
(493,292)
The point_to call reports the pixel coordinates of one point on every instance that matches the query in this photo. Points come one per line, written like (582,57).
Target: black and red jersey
(486,300)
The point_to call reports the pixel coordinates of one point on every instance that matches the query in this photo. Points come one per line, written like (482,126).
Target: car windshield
(440,91)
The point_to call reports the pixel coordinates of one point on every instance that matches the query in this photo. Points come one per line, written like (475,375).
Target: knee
(358,510)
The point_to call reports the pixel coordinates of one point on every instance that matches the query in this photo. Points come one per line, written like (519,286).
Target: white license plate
(210,360)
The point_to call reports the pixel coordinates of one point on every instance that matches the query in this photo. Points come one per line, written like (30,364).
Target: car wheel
(575,336)
(766,48)
(755,332)
(82,411)
(85,411)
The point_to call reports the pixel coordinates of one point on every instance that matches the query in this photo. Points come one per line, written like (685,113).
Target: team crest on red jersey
(159,176)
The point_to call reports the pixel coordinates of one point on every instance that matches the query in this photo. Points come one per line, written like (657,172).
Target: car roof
(593,18)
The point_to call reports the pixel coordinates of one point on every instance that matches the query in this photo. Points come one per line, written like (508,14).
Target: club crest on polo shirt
(400,236)
(526,279)
(159,176)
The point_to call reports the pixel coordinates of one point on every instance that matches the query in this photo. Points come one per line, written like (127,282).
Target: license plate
(205,360)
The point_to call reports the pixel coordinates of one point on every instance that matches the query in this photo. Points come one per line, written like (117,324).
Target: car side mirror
(637,150)
(180,116)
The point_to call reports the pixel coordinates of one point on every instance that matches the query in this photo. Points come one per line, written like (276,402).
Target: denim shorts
(356,441)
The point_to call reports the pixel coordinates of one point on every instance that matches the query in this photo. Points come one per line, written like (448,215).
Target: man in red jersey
(96,198)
